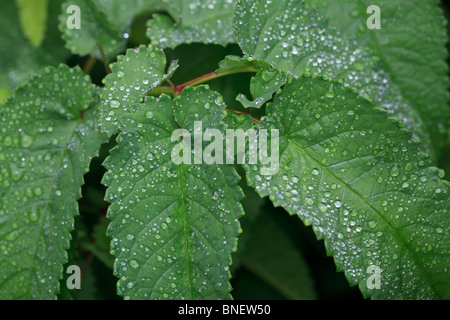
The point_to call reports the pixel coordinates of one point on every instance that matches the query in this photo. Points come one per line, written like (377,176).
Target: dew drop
(394,171)
(372,224)
(37,191)
(134,264)
(26,141)
(114,104)
(34,215)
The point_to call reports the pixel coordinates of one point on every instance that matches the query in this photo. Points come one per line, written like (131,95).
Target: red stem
(179,88)
(242,112)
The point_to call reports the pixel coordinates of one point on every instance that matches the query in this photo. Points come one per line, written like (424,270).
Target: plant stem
(105,61)
(86,264)
(87,67)
(174,90)
(255,120)
(177,89)
(172,85)
(163,89)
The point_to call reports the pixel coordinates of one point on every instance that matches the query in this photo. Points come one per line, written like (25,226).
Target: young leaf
(296,40)
(262,87)
(207,21)
(132,77)
(364,185)
(173,226)
(46,142)
(232,63)
(411,44)
(33,18)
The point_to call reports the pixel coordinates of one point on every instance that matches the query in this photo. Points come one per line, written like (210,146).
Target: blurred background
(277,258)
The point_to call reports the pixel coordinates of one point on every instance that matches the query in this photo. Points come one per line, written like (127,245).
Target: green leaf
(266,81)
(33,17)
(47,139)
(272,256)
(19,59)
(95,29)
(262,87)
(207,21)
(4,94)
(296,40)
(364,185)
(53,44)
(103,22)
(173,226)
(133,75)
(417,64)
(121,13)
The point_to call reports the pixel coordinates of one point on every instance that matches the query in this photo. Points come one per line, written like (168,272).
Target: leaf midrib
(185,231)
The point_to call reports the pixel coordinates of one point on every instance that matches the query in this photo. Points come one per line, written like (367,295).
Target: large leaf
(47,139)
(412,47)
(297,40)
(207,21)
(364,185)
(133,75)
(173,226)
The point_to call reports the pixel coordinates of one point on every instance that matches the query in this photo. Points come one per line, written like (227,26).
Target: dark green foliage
(87,176)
